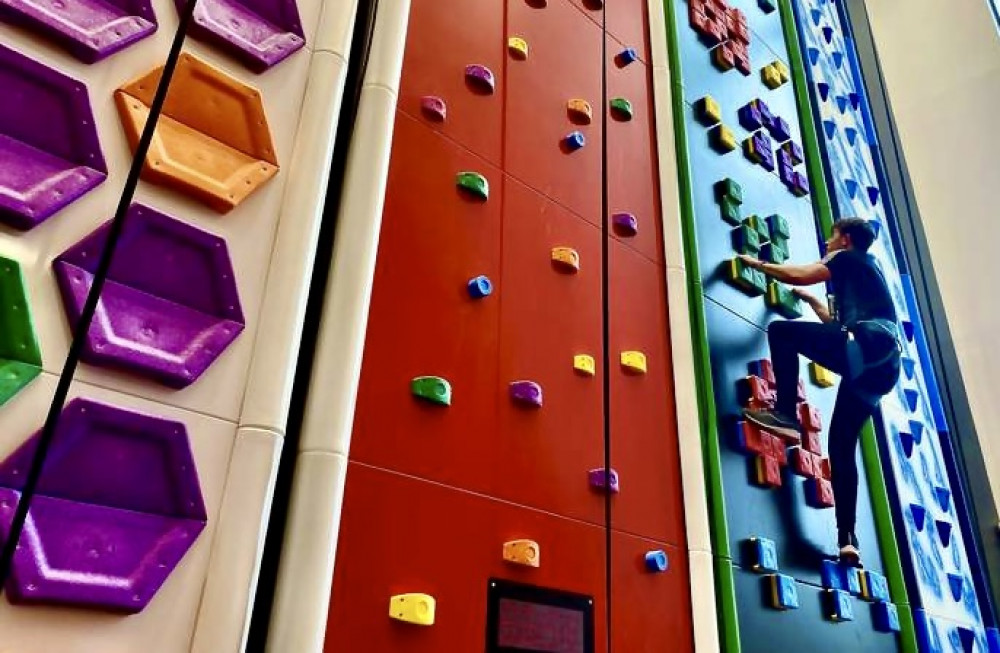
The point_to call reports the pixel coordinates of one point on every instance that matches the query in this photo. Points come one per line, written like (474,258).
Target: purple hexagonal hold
(89,29)
(526,392)
(118,506)
(49,152)
(170,304)
(261,33)
(603,480)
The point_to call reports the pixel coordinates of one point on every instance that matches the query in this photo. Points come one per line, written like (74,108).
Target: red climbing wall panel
(547,316)
(422,321)
(643,423)
(402,535)
(564,63)
(632,173)
(439,44)
(628,23)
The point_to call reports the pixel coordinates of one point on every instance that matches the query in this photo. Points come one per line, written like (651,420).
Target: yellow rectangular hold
(522,552)
(634,361)
(584,364)
(821,376)
(783,71)
(413,608)
(771,77)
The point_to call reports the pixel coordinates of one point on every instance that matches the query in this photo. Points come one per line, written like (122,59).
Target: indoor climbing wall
(144,532)
(743,148)
(940,570)
(477,495)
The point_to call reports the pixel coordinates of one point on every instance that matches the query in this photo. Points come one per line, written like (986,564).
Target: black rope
(605,323)
(90,306)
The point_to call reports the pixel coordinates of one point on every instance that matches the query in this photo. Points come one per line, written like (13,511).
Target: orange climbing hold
(212,141)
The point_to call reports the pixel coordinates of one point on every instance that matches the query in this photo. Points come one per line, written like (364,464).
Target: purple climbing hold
(604,480)
(750,117)
(260,33)
(89,29)
(780,130)
(100,539)
(170,305)
(434,107)
(528,393)
(625,224)
(481,78)
(49,152)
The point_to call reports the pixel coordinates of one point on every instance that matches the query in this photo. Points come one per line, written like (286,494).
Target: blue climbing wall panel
(737,104)
(939,569)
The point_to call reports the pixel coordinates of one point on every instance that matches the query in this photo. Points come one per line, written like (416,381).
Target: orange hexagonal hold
(212,141)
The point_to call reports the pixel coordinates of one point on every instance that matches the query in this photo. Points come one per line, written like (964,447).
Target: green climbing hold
(750,281)
(730,211)
(779,226)
(621,108)
(759,225)
(746,240)
(432,388)
(474,183)
(775,251)
(781,299)
(20,358)
(728,189)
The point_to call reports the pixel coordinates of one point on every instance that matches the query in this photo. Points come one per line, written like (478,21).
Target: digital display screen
(538,627)
(529,619)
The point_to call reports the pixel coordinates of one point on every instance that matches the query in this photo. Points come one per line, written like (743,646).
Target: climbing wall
(941,571)
(155,495)
(743,150)
(476,490)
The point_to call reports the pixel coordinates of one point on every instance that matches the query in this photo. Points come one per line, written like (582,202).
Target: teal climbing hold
(919,515)
(434,389)
(944,532)
(956,583)
(943,496)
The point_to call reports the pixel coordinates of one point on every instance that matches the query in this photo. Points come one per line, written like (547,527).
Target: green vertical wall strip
(869,446)
(20,358)
(722,563)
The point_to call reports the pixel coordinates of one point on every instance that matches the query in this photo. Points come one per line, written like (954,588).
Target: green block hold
(775,251)
(20,357)
(750,281)
(728,189)
(432,388)
(621,108)
(779,226)
(760,226)
(474,183)
(730,212)
(781,299)
(746,240)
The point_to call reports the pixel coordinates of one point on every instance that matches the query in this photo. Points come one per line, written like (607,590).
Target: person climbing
(856,337)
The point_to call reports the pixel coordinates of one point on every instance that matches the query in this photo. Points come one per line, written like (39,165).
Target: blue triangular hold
(813,55)
(967,637)
(917,429)
(943,496)
(852,187)
(908,330)
(873,195)
(957,585)
(855,100)
(824,90)
(817,16)
(830,127)
(876,227)
(828,34)
(919,513)
(852,134)
(909,367)
(912,397)
(993,640)
(944,532)
(842,103)
(906,440)
(838,59)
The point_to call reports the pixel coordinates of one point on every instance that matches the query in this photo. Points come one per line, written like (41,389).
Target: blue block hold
(480,287)
(885,617)
(873,195)
(852,576)
(656,561)
(763,554)
(878,587)
(956,583)
(833,575)
(919,515)
(627,56)
(838,60)
(839,606)
(784,593)
(944,532)
(943,496)
(824,90)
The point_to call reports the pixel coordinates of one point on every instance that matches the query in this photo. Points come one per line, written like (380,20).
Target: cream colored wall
(941,63)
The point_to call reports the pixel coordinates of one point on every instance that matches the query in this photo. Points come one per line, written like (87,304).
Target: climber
(856,337)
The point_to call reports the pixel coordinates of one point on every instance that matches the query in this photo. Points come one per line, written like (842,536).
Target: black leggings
(826,345)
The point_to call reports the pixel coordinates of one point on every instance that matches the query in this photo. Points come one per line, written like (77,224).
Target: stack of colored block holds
(725,30)
(841,582)
(757,392)
(766,238)
(757,118)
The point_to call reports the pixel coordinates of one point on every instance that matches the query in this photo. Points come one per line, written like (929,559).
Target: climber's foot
(775,422)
